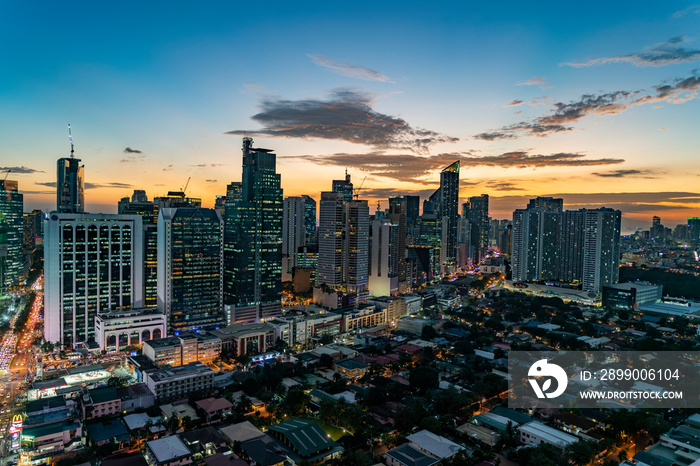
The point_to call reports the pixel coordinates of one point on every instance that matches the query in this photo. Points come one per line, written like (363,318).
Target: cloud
(346,116)
(20,170)
(352,71)
(515,103)
(211,181)
(692,9)
(203,165)
(627,174)
(129,150)
(503,186)
(523,128)
(534,81)
(416,169)
(168,168)
(610,103)
(664,53)
(52,184)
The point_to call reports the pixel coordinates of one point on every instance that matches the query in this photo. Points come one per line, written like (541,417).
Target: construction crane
(356,194)
(70,138)
(186,185)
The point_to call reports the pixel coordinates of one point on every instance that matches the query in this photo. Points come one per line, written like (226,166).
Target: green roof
(48,429)
(351,364)
(104,394)
(305,437)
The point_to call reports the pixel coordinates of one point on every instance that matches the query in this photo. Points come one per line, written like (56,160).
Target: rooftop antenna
(70,137)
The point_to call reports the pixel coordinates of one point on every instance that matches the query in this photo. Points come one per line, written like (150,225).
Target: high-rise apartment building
(476,211)
(578,247)
(694,230)
(601,249)
(310,220)
(384,258)
(12,216)
(398,217)
(253,244)
(93,263)
(343,245)
(190,268)
(70,185)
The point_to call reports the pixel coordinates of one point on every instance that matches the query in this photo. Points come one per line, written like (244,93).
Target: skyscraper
(11,214)
(293,229)
(70,185)
(310,220)
(398,216)
(601,249)
(446,199)
(190,268)
(343,247)
(571,247)
(253,242)
(476,211)
(384,258)
(93,263)
(344,187)
(694,230)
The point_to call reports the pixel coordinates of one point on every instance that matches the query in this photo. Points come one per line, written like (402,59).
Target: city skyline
(599,109)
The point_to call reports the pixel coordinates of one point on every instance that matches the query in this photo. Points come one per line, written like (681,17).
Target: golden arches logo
(17,417)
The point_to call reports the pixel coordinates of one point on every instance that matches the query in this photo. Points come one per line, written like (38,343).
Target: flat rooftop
(167,449)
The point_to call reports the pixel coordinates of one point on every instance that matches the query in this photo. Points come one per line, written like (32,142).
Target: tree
(622,456)
(580,453)
(295,402)
(423,378)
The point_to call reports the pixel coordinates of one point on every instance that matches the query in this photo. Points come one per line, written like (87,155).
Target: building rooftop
(134,391)
(306,437)
(198,439)
(128,459)
(548,434)
(45,404)
(241,432)
(351,364)
(85,369)
(103,395)
(436,445)
(161,343)
(105,430)
(214,404)
(139,420)
(240,330)
(411,456)
(180,411)
(168,448)
(188,370)
(49,429)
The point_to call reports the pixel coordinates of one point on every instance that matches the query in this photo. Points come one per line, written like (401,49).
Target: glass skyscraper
(190,268)
(70,185)
(253,239)
(11,215)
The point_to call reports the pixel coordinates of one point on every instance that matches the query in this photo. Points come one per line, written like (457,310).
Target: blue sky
(391,90)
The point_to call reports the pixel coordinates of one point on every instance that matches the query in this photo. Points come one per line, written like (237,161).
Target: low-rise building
(350,368)
(306,439)
(179,381)
(535,433)
(407,455)
(136,396)
(113,431)
(183,349)
(100,402)
(46,441)
(215,408)
(246,338)
(130,327)
(434,445)
(168,451)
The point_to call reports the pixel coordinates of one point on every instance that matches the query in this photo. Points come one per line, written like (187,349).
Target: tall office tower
(139,195)
(601,253)
(254,239)
(293,229)
(548,204)
(343,246)
(447,198)
(331,230)
(356,249)
(344,187)
(190,268)
(33,228)
(4,280)
(11,209)
(412,210)
(384,258)
(70,185)
(220,205)
(92,263)
(140,205)
(310,220)
(694,230)
(429,235)
(657,231)
(505,240)
(397,216)
(477,212)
